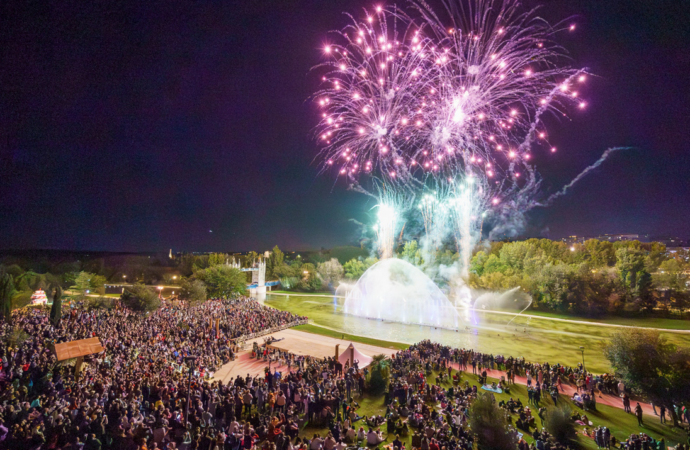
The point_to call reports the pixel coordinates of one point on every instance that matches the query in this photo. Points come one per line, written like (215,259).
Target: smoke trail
(582,174)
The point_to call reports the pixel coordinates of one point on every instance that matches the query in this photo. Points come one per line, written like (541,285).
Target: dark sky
(142,125)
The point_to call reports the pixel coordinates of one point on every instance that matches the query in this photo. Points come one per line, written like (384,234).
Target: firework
(450,95)
(501,71)
(456,95)
(371,102)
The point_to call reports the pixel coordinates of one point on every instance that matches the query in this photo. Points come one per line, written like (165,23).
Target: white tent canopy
(351,353)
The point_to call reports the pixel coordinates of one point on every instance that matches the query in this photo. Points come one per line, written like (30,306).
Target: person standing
(638,414)
(626,403)
(662,414)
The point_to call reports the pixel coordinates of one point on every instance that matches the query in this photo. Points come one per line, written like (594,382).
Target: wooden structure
(78,349)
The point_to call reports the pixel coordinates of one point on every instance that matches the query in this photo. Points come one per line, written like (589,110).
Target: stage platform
(296,342)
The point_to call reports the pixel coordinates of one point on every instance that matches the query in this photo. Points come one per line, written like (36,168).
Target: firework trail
(582,174)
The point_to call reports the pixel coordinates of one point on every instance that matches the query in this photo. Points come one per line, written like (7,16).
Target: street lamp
(582,350)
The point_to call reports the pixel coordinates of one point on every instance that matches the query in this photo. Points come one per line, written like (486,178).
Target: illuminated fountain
(396,291)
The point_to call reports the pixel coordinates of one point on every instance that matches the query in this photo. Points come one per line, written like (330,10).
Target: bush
(312,284)
(489,423)
(194,291)
(559,423)
(379,375)
(140,298)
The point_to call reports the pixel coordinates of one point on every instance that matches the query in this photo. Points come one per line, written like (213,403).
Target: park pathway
(244,365)
(567,390)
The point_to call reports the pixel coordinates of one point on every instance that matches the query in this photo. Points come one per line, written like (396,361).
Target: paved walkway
(244,364)
(568,390)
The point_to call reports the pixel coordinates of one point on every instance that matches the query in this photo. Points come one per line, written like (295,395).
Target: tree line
(594,278)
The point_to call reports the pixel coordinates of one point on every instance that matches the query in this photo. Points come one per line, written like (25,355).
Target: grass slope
(535,339)
(620,423)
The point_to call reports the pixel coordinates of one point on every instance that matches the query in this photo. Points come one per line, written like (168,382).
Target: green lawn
(302,294)
(620,423)
(651,322)
(535,339)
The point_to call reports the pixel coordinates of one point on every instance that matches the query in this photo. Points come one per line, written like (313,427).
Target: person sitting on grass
(401,428)
(361,434)
(374,421)
(350,435)
(374,437)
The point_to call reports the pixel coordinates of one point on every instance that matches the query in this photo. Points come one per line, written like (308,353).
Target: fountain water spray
(386,229)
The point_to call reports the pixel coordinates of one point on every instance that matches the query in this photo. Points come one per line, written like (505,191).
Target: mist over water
(394,290)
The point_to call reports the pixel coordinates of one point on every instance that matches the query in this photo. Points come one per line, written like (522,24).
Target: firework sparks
(460,94)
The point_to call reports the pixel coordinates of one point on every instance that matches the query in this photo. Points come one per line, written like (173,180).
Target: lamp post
(582,350)
(189,359)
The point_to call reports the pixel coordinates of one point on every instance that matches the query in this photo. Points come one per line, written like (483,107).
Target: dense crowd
(139,382)
(134,395)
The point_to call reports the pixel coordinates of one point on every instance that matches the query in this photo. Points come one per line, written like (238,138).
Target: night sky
(145,125)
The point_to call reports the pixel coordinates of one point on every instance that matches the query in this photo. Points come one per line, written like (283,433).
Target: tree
(216,259)
(495,264)
(97,284)
(652,366)
(330,271)
(559,423)
(82,283)
(379,375)
(309,279)
(489,422)
(355,268)
(629,261)
(477,263)
(601,253)
(670,275)
(275,260)
(7,292)
(193,291)
(56,309)
(655,256)
(138,297)
(252,257)
(412,254)
(222,281)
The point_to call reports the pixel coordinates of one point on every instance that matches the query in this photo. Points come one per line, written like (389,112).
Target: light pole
(189,360)
(582,350)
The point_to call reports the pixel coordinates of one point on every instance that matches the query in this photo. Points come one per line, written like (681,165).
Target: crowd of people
(138,383)
(134,394)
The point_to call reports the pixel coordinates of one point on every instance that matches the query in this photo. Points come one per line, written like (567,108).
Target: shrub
(194,291)
(140,298)
(379,375)
(559,423)
(489,423)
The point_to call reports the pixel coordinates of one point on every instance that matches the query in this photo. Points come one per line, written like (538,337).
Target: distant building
(670,241)
(570,240)
(619,237)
